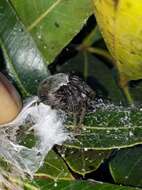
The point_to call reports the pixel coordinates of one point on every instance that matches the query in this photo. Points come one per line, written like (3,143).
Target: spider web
(47,127)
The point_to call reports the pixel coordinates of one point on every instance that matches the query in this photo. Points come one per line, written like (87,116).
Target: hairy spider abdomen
(67,92)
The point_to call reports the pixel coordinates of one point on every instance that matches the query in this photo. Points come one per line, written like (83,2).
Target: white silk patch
(48,129)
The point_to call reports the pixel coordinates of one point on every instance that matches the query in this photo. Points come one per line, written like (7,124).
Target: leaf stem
(92,37)
(85,65)
(102,53)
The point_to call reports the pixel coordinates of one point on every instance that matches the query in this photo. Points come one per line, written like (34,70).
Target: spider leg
(82,115)
(75,119)
(80,118)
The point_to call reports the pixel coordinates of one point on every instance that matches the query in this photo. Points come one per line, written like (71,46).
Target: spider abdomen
(66,92)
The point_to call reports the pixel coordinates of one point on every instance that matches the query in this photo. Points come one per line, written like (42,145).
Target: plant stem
(85,65)
(102,53)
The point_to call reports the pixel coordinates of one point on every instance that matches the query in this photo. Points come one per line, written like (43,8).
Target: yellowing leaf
(121,26)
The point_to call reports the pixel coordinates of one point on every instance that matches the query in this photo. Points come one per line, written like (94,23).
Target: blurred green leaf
(23,60)
(53,23)
(126,167)
(54,167)
(83,161)
(43,184)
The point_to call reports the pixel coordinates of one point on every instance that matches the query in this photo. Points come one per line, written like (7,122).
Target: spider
(67,92)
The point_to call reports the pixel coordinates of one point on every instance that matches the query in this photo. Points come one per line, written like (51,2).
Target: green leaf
(53,23)
(54,167)
(109,127)
(83,161)
(126,167)
(43,184)
(24,62)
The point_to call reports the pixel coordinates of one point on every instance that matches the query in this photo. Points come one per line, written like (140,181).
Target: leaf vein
(43,15)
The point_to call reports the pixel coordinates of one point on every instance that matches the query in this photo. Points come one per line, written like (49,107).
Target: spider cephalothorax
(66,92)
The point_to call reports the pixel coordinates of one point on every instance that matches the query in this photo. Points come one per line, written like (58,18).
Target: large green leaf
(54,167)
(24,62)
(83,161)
(43,184)
(126,167)
(109,127)
(53,23)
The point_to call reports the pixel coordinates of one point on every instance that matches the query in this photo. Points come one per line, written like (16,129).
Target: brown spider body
(66,92)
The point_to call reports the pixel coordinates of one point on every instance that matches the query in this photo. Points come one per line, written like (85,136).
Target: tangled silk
(47,127)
